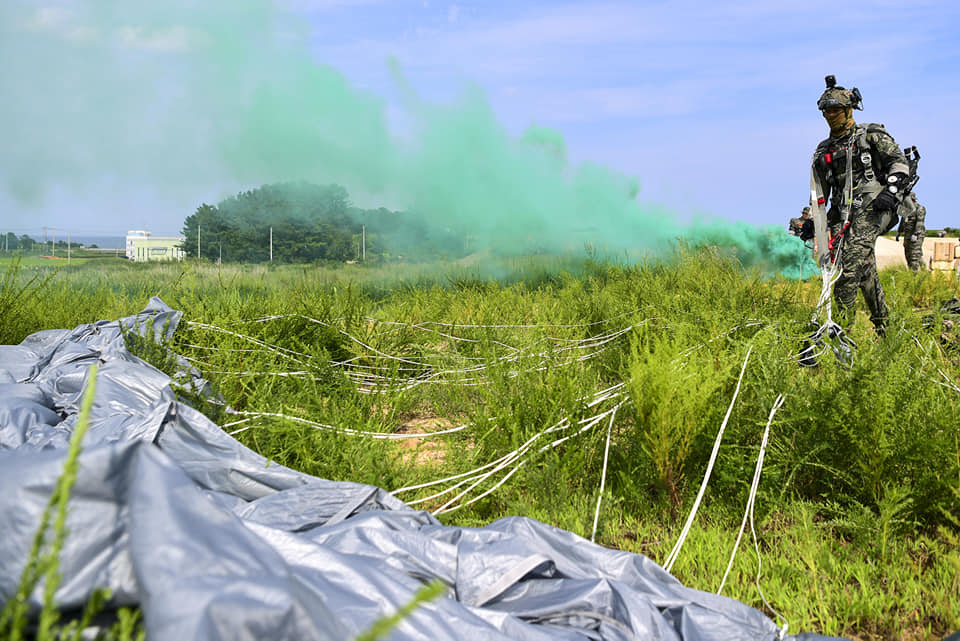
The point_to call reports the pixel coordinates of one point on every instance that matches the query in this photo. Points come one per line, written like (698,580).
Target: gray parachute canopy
(212,543)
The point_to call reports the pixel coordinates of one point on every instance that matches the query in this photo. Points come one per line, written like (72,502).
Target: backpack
(903,210)
(913,159)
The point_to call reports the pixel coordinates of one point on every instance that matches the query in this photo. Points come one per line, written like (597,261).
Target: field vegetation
(589,394)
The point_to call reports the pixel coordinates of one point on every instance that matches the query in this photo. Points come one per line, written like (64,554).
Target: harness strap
(836,239)
(865,157)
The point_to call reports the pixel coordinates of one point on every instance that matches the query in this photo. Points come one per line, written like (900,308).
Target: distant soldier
(802,226)
(913,229)
(864,159)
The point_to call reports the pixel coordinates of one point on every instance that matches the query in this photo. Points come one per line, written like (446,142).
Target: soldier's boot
(878,311)
(876,301)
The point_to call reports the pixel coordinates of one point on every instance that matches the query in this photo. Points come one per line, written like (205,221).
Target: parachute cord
(831,272)
(671,559)
(748,513)
(603,475)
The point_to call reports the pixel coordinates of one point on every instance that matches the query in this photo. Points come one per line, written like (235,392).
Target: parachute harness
(828,334)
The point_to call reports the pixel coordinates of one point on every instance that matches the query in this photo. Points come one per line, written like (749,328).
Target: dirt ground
(890,252)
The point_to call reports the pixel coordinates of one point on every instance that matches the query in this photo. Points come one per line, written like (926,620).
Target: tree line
(12,242)
(26,243)
(307,223)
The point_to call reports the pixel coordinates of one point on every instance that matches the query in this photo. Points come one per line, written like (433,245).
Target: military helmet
(835,96)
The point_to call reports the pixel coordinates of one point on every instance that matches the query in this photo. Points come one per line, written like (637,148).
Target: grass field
(542,379)
(77,257)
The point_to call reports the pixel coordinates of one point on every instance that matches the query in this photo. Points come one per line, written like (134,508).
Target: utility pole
(220,257)
(54,246)
(364,230)
(198,241)
(271,244)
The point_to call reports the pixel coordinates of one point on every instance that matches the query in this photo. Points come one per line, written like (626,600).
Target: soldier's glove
(884,201)
(887,199)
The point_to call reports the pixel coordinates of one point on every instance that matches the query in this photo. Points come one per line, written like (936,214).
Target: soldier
(914,230)
(865,159)
(802,226)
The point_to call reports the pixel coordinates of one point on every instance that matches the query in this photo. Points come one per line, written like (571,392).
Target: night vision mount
(831,82)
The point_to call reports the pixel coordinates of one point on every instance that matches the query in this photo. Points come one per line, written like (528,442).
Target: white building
(143,246)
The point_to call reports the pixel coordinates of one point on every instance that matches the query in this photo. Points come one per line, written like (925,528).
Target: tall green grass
(19,292)
(858,499)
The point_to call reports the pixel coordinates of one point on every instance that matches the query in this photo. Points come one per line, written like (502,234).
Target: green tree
(309,223)
(10,242)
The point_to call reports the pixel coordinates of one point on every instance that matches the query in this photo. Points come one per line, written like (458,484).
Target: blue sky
(711,107)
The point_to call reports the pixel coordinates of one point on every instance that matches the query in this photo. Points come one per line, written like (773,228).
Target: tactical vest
(834,153)
(868,173)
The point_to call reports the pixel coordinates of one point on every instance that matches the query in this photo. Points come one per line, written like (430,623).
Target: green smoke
(184,97)
(767,247)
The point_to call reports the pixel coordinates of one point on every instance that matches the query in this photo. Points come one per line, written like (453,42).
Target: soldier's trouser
(858,271)
(914,231)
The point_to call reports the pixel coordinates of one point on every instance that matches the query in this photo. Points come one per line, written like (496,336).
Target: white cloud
(168,40)
(61,23)
(49,18)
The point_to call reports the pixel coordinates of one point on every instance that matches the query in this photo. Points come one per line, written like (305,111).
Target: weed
(17,295)
(382,627)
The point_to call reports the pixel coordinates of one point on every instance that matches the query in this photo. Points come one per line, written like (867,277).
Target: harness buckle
(867,161)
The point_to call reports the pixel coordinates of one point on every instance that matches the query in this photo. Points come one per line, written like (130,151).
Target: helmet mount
(837,96)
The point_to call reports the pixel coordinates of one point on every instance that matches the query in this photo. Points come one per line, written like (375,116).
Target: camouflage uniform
(858,261)
(802,226)
(914,230)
